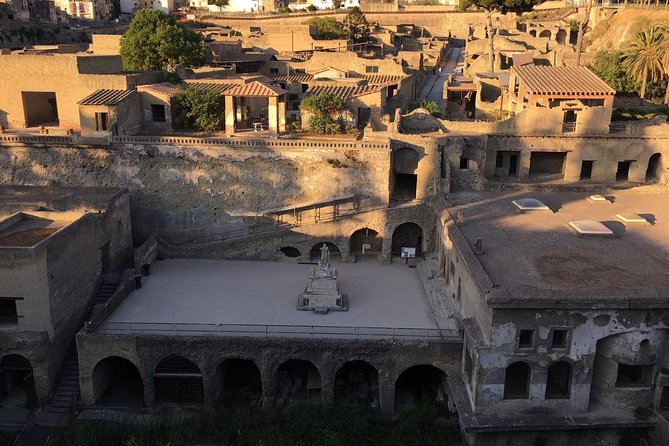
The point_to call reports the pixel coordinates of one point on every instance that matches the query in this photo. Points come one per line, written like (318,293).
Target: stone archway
(117,383)
(178,380)
(654,170)
(315,251)
(238,380)
(366,241)
(420,384)
(407,235)
(545,33)
(297,382)
(561,37)
(357,382)
(533,32)
(17,382)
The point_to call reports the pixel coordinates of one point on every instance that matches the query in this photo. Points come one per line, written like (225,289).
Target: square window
(299,70)
(371,69)
(102,121)
(273,71)
(526,339)
(634,375)
(464,162)
(8,314)
(559,339)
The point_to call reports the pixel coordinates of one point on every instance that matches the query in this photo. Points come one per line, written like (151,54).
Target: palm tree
(643,58)
(664,51)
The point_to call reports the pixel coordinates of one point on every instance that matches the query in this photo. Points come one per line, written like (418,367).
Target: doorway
(622,174)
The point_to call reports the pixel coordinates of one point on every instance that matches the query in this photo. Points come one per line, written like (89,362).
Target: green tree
(608,66)
(154,41)
(356,24)
(219,3)
(198,109)
(325,109)
(328,28)
(431,107)
(500,6)
(664,51)
(643,59)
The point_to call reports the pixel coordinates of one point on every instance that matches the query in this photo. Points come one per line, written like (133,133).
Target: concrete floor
(256,292)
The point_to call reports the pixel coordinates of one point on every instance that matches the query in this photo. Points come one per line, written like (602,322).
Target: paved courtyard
(196,291)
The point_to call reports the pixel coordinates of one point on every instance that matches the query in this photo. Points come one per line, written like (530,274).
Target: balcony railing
(568,127)
(276,331)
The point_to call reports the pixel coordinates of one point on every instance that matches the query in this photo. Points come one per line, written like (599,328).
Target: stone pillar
(327,385)
(524,165)
(273,113)
(387,398)
(637,173)
(230,114)
(149,392)
(428,165)
(209,394)
(282,114)
(572,167)
(267,373)
(87,394)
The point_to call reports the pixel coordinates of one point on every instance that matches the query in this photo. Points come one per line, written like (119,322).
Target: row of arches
(367,242)
(517,380)
(117,382)
(561,35)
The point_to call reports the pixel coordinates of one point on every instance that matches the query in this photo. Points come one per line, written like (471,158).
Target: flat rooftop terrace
(539,248)
(27,229)
(195,296)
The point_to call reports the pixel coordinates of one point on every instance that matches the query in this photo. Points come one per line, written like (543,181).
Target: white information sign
(408,252)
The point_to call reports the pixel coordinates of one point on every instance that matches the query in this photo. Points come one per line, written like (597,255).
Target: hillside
(622,26)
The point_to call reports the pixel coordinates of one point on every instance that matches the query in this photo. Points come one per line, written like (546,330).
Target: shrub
(328,28)
(431,107)
(198,109)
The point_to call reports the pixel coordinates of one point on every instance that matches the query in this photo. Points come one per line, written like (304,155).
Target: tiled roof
(106,97)
(562,80)
(243,57)
(303,78)
(257,89)
(382,79)
(342,90)
(164,88)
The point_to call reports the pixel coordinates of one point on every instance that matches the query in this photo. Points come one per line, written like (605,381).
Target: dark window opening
(238,381)
(634,375)
(273,71)
(40,108)
(558,380)
(357,382)
(547,165)
(622,174)
(17,383)
(178,381)
(290,251)
(158,112)
(664,399)
(299,70)
(526,339)
(586,169)
(102,121)
(517,381)
(297,382)
(405,187)
(371,69)
(8,313)
(117,383)
(653,172)
(464,162)
(569,121)
(559,339)
(420,385)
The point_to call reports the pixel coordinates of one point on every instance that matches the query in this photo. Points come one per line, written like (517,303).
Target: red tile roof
(562,81)
(251,89)
(342,90)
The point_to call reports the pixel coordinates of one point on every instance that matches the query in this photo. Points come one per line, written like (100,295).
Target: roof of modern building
(198,291)
(540,79)
(539,249)
(232,88)
(106,97)
(342,90)
(165,88)
(372,79)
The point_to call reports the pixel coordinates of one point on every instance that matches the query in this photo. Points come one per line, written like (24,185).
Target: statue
(322,293)
(325,256)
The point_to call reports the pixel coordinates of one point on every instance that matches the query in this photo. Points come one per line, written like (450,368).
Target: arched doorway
(297,382)
(545,33)
(517,381)
(17,383)
(533,32)
(407,235)
(238,380)
(654,170)
(405,178)
(357,382)
(561,37)
(117,383)
(290,251)
(366,242)
(558,380)
(420,385)
(315,251)
(178,381)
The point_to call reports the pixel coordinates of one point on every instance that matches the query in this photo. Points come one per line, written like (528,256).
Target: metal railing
(277,331)
(568,127)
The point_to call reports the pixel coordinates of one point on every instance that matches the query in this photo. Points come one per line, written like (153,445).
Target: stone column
(386,398)
(209,394)
(282,114)
(149,392)
(230,114)
(428,165)
(327,385)
(87,394)
(273,113)
(524,165)
(267,373)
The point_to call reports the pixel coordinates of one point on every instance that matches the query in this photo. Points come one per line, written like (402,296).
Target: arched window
(558,381)
(517,381)
(178,381)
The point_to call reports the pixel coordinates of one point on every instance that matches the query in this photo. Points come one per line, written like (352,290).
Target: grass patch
(300,426)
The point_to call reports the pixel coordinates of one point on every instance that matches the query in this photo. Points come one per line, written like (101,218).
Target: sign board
(190,16)
(408,253)
(366,247)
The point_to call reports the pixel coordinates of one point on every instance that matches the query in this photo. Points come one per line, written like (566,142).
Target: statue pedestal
(322,293)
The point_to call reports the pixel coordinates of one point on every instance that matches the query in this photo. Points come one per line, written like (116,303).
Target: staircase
(108,287)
